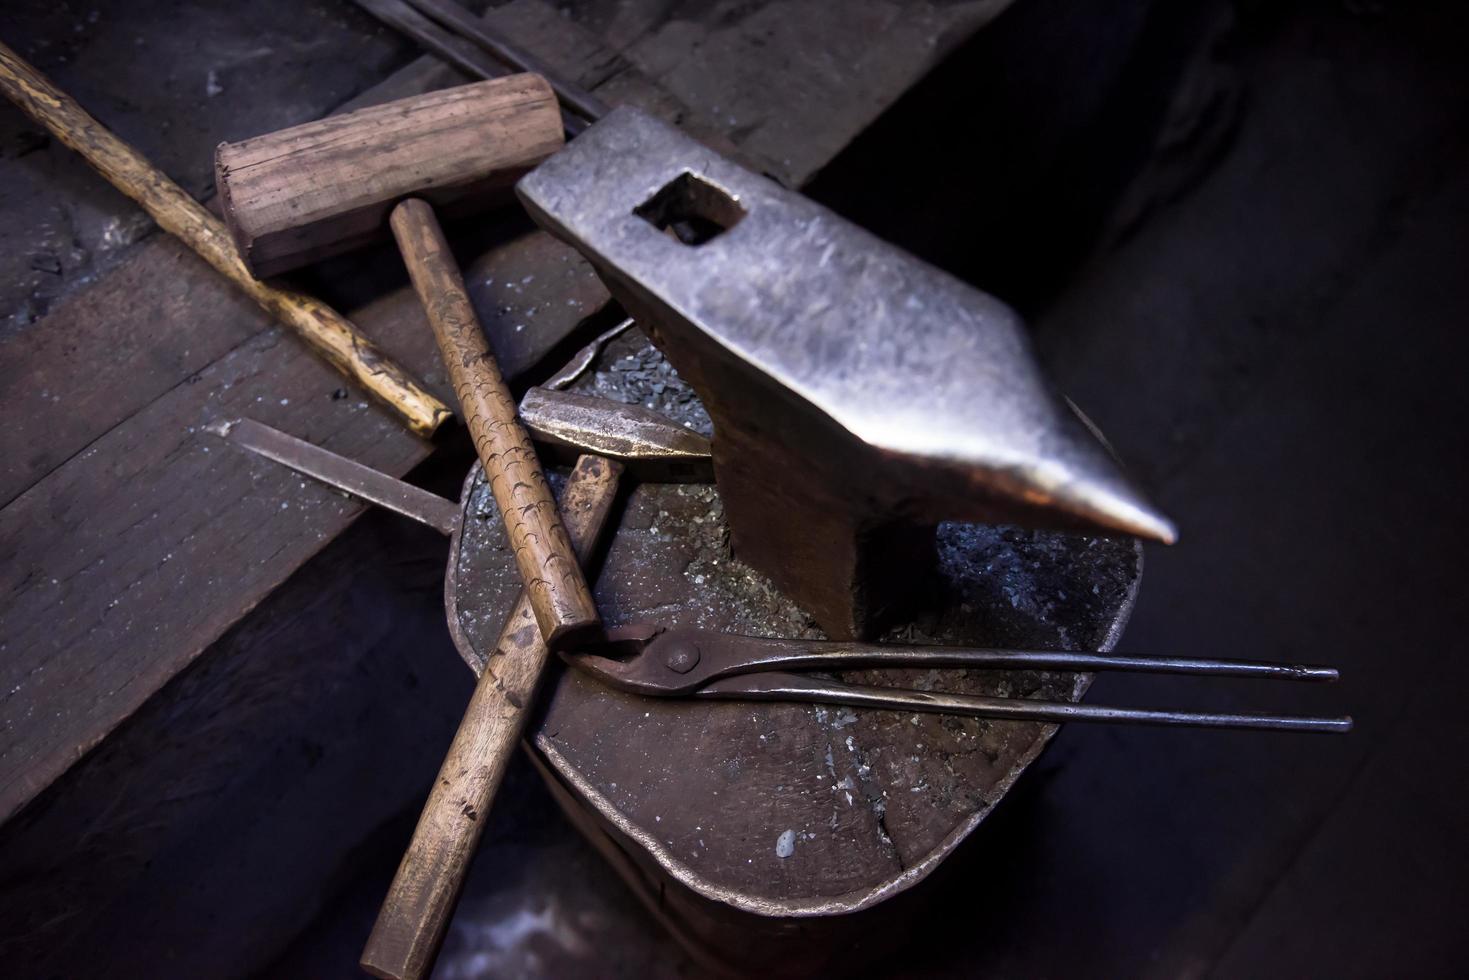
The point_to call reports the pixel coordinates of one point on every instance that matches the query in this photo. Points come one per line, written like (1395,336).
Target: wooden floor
(1275,348)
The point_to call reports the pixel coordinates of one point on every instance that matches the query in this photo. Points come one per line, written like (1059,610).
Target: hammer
(325,187)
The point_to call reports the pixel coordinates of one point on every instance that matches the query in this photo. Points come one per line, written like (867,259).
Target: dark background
(1240,232)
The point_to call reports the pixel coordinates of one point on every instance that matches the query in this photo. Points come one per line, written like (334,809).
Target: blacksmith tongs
(678,662)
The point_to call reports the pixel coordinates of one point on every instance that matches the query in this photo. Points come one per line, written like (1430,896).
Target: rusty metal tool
(325,330)
(651,660)
(644,456)
(582,360)
(341,473)
(298,194)
(859,396)
(663,452)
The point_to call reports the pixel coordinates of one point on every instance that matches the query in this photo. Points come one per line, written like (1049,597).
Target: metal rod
(471,28)
(792,687)
(341,473)
(833,655)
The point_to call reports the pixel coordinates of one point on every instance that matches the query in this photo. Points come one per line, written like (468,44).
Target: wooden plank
(207,829)
(99,357)
(789,82)
(122,565)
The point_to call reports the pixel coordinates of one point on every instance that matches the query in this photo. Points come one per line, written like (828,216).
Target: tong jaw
(859,396)
(653,660)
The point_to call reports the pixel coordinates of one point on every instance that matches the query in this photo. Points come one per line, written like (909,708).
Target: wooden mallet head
(301,194)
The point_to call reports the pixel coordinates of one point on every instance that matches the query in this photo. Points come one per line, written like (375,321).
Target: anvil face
(852,386)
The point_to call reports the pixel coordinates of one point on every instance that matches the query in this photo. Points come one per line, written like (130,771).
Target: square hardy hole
(691,210)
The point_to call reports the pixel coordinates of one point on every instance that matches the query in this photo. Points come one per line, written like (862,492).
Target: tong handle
(776,686)
(703,656)
(834,655)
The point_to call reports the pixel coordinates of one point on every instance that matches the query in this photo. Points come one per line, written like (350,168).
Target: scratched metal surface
(782,807)
(812,317)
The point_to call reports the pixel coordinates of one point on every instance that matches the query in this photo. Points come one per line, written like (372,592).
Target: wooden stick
(548,566)
(410,926)
(327,331)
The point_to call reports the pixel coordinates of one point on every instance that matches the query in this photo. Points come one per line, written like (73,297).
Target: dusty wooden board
(173,81)
(792,81)
(153,553)
(211,825)
(131,538)
(123,564)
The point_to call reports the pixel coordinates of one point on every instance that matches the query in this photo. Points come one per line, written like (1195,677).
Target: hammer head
(301,194)
(859,396)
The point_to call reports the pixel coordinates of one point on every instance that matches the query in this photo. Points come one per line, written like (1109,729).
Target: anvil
(859,395)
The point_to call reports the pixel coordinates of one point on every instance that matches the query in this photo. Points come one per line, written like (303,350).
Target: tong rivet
(682,658)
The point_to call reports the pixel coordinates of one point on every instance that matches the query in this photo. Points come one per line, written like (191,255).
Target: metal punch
(677,662)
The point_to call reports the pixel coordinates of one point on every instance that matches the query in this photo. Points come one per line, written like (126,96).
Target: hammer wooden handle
(410,927)
(330,334)
(548,566)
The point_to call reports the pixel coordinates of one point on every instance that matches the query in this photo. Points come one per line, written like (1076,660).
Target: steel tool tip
(1133,515)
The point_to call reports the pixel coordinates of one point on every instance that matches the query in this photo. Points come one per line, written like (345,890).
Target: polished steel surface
(791,309)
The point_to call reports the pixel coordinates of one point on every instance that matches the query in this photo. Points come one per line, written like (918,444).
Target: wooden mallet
(314,190)
(319,189)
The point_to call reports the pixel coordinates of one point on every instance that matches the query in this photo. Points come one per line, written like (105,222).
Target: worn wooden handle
(410,926)
(327,331)
(548,567)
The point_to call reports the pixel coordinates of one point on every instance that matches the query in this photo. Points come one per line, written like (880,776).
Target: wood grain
(99,438)
(553,579)
(301,194)
(135,538)
(410,926)
(325,330)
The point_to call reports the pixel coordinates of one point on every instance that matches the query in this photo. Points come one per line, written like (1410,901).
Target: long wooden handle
(410,926)
(548,567)
(328,332)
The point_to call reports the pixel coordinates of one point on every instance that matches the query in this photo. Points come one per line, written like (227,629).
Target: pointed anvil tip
(1110,507)
(785,318)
